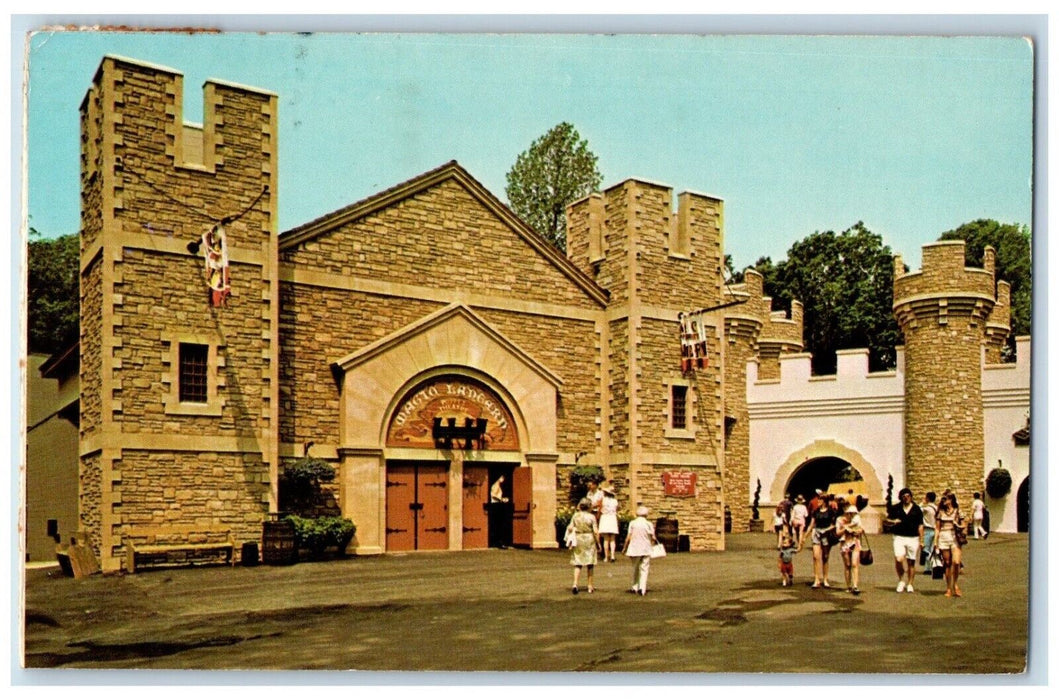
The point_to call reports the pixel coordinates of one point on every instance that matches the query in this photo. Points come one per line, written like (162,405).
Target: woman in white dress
(608,523)
(638,543)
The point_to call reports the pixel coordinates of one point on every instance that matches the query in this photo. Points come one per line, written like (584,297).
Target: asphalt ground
(512,610)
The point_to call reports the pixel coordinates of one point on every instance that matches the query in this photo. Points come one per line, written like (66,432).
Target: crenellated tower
(945,312)
(657,262)
(179,390)
(748,323)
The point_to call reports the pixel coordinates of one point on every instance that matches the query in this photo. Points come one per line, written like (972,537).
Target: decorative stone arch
(452,340)
(826,448)
(509,404)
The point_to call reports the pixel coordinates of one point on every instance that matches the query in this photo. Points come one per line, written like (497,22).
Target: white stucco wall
(1006,404)
(859,417)
(851,413)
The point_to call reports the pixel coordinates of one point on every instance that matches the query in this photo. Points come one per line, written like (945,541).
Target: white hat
(851,508)
(642,511)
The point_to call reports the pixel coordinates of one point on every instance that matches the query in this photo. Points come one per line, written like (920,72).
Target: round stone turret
(943,311)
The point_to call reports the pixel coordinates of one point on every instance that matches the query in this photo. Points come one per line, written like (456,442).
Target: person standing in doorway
(608,523)
(906,520)
(499,517)
(638,542)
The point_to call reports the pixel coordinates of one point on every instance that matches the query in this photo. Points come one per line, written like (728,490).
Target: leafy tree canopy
(1013,262)
(845,283)
(557,169)
(53,311)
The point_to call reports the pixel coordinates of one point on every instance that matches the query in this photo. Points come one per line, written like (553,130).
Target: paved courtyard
(512,610)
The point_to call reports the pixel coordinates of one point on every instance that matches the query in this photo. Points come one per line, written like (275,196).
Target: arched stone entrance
(379,381)
(827,458)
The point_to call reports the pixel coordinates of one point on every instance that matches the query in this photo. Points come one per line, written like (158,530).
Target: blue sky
(913,136)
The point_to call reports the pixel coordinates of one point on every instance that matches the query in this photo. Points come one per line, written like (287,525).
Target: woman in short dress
(849,530)
(608,523)
(821,529)
(947,521)
(584,532)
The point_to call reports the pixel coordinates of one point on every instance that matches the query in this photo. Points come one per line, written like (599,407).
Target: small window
(679,415)
(194,372)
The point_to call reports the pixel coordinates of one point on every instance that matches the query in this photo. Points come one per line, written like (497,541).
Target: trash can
(666,532)
(250,555)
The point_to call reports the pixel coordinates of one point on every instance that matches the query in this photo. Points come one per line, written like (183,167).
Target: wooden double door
(417,506)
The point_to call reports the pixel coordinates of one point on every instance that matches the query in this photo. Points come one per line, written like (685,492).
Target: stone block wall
(144,198)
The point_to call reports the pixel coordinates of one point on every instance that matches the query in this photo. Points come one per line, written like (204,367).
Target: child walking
(787,549)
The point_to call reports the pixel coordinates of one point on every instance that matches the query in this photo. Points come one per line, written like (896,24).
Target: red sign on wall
(679,484)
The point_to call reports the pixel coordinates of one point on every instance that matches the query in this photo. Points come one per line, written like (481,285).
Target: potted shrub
(301,491)
(563,514)
(998,483)
(756,524)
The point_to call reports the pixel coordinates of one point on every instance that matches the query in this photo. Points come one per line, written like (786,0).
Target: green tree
(557,169)
(1013,262)
(53,311)
(845,284)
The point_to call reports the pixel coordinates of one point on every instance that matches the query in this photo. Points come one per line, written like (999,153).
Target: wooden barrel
(278,543)
(667,532)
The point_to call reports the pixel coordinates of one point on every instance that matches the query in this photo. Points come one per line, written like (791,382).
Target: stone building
(365,332)
(426,342)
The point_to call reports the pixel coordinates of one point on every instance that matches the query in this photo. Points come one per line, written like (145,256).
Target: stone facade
(332,324)
(150,186)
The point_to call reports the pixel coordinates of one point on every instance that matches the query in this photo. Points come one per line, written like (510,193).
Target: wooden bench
(154,552)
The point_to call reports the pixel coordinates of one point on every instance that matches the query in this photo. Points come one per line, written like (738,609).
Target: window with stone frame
(193,377)
(678,416)
(679,419)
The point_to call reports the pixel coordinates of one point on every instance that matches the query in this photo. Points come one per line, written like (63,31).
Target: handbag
(937,566)
(961,535)
(658,550)
(866,557)
(570,539)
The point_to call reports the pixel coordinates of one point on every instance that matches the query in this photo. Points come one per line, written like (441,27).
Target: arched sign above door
(447,397)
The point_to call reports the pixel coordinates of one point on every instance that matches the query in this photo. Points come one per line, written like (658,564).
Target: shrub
(580,476)
(317,534)
(299,485)
(998,483)
(563,514)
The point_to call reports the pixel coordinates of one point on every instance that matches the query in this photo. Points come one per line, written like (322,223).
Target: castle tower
(943,312)
(780,335)
(658,424)
(998,327)
(748,323)
(179,397)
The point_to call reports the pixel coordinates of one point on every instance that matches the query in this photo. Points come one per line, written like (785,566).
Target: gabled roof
(449,171)
(434,320)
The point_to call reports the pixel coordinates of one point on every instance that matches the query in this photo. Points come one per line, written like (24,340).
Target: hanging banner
(215,252)
(694,349)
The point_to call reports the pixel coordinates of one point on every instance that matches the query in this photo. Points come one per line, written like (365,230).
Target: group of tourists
(593,530)
(932,534)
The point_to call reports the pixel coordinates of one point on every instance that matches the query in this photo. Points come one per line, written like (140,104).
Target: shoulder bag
(866,557)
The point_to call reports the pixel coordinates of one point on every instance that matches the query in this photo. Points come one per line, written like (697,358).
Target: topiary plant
(299,485)
(998,483)
(757,500)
